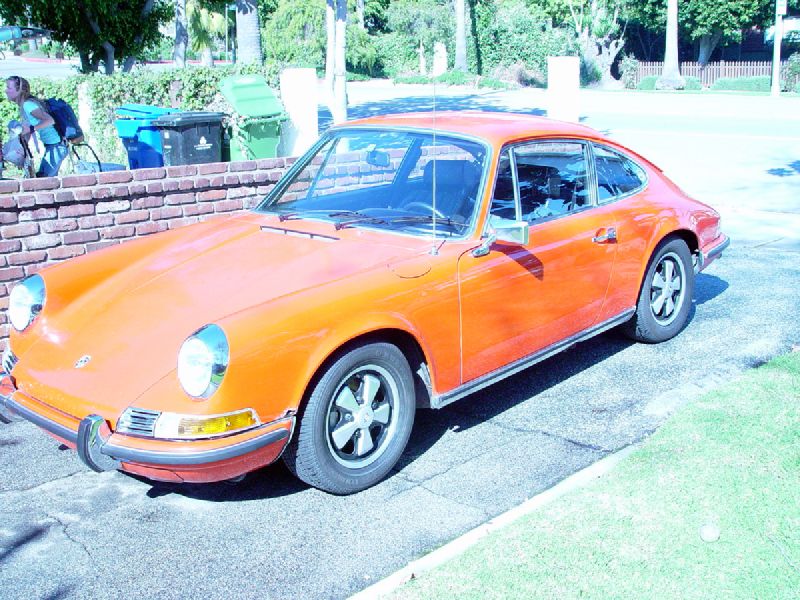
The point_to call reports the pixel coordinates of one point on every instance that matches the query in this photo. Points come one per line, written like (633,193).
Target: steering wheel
(427,207)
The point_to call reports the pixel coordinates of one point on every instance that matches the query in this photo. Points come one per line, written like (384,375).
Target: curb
(464,542)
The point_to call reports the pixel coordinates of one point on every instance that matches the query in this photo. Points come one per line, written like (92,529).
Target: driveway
(66,532)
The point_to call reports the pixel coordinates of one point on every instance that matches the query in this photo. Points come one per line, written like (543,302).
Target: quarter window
(616,175)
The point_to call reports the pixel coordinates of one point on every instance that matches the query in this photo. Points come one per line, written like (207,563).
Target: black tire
(344,445)
(663,311)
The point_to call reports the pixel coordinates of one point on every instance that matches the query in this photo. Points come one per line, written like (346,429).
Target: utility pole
(777,39)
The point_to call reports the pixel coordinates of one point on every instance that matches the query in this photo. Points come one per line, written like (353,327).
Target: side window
(616,174)
(552,180)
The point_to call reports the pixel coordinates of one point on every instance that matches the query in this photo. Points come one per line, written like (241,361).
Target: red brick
(43,240)
(100,245)
(8,217)
(101,193)
(63,252)
(113,206)
(154,173)
(251,202)
(7,246)
(175,223)
(75,210)
(134,216)
(247,178)
(186,184)
(137,189)
(40,214)
(95,221)
(115,177)
(261,177)
(25,258)
(275,175)
(21,230)
(150,227)
(181,171)
(290,160)
(170,185)
(180,198)
(45,183)
(201,182)
(147,202)
(154,188)
(269,163)
(263,190)
(78,180)
(168,212)
(9,187)
(45,198)
(198,209)
(120,231)
(59,226)
(228,205)
(12,274)
(217,181)
(231,180)
(209,168)
(26,200)
(81,237)
(83,194)
(68,196)
(120,191)
(210,195)
(8,202)
(3,261)
(245,165)
(236,192)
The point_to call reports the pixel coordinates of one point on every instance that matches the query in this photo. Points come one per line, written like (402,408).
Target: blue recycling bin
(142,139)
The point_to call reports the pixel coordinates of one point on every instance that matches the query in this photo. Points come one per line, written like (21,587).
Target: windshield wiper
(426,219)
(357,217)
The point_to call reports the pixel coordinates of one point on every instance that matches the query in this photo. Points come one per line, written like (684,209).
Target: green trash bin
(255,129)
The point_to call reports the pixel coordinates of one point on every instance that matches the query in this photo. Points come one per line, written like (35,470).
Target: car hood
(132,321)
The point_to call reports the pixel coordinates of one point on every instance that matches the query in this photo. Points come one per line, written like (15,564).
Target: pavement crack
(39,485)
(65,530)
(583,445)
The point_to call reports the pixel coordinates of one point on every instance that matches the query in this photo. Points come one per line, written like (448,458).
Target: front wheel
(666,295)
(356,422)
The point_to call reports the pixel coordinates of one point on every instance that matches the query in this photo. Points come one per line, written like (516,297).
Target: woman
(37,120)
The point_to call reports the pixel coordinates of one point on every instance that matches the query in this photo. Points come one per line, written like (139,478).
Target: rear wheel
(666,295)
(356,422)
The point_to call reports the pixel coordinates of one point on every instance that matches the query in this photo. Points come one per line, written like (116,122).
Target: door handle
(609,236)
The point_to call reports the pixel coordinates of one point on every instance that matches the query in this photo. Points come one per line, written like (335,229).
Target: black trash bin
(190,138)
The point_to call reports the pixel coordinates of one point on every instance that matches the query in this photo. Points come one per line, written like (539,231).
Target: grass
(731,460)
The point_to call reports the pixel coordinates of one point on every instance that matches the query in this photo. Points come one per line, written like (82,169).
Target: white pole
(777,39)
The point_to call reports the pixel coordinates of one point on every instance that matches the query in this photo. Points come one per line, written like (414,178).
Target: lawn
(727,466)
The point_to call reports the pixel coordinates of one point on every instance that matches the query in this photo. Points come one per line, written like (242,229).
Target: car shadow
(707,287)
(793,168)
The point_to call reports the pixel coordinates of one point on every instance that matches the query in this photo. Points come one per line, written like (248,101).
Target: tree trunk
(330,44)
(181,34)
(708,43)
(461,36)
(339,107)
(108,59)
(248,32)
(360,13)
(671,74)
(207,57)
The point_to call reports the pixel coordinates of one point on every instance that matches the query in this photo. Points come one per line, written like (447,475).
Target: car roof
(496,128)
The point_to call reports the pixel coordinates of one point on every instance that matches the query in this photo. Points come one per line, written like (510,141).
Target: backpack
(66,123)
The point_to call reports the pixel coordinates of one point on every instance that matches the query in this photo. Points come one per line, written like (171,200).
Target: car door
(519,299)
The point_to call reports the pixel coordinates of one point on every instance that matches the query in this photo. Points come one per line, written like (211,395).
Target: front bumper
(711,252)
(197,461)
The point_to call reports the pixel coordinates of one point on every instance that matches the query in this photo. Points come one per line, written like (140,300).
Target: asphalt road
(66,532)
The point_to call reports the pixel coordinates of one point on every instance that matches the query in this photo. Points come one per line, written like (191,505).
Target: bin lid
(182,119)
(143,111)
(250,96)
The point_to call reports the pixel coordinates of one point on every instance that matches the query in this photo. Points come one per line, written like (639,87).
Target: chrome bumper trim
(705,257)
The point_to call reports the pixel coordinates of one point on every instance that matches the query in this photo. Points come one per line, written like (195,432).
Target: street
(66,532)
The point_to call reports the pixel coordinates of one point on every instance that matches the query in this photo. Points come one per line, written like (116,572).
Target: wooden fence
(712,71)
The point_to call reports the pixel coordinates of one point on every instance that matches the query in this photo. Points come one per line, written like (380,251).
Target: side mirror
(503,230)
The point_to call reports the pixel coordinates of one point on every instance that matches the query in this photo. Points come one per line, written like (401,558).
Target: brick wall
(43,221)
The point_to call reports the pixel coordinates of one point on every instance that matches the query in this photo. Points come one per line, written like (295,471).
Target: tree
(671,78)
(207,24)
(336,56)
(461,36)
(248,32)
(181,34)
(111,31)
(601,33)
(424,22)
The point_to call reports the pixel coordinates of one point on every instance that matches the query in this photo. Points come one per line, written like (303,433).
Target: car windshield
(405,181)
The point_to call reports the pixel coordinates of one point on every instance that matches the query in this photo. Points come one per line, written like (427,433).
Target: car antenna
(434,249)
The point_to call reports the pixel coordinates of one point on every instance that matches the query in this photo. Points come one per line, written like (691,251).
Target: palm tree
(248,31)
(181,34)
(461,36)
(206,26)
(671,78)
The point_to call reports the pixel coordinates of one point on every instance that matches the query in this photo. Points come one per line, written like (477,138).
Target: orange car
(404,261)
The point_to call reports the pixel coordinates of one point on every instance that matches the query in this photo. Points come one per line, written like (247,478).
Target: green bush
(791,72)
(693,84)
(629,67)
(394,56)
(362,53)
(295,34)
(647,83)
(742,84)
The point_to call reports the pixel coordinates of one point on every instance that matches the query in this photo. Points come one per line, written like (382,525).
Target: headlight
(202,361)
(26,302)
